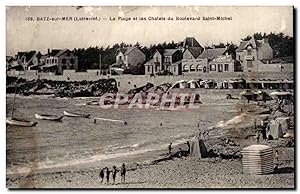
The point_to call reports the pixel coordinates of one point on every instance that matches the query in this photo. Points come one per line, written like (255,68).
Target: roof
(127,50)
(191,42)
(255,43)
(170,52)
(212,53)
(195,51)
(257,148)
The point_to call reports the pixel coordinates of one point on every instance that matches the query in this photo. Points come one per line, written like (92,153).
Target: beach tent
(179,84)
(276,129)
(193,84)
(284,121)
(247,95)
(282,95)
(198,148)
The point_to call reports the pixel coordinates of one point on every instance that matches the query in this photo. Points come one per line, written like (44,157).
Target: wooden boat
(20,122)
(48,117)
(70,114)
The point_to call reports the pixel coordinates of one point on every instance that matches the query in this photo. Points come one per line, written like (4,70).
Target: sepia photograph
(150,97)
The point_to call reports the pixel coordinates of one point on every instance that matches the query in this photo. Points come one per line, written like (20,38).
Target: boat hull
(21,123)
(48,117)
(69,114)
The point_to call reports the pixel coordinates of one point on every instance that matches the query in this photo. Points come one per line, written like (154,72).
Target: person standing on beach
(170,148)
(189,146)
(101,174)
(123,173)
(107,175)
(114,174)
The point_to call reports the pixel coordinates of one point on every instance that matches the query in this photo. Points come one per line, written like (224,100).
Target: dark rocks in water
(62,88)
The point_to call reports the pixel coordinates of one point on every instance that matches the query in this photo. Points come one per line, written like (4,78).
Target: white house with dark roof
(130,56)
(58,60)
(253,53)
(164,60)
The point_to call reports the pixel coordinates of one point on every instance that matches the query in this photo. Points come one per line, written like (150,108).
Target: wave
(129,150)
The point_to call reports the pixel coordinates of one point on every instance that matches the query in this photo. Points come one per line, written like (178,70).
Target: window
(226,68)
(239,57)
(212,67)
(156,59)
(192,67)
(249,50)
(185,68)
(199,67)
(249,63)
(220,67)
(148,68)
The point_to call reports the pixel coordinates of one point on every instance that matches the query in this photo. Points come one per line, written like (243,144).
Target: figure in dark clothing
(107,175)
(123,173)
(170,148)
(257,136)
(276,156)
(114,173)
(264,133)
(101,174)
(189,146)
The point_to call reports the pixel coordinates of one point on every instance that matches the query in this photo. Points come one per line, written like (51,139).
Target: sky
(22,35)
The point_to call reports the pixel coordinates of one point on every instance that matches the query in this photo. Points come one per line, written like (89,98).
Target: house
(130,56)
(254,53)
(58,60)
(25,60)
(172,61)
(155,64)
(222,63)
(164,60)
(9,62)
(190,61)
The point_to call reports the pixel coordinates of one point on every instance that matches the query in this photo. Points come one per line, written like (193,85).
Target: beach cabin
(193,84)
(282,95)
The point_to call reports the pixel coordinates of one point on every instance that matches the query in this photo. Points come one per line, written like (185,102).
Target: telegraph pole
(100,63)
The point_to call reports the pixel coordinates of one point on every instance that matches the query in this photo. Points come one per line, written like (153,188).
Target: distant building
(223,63)
(24,61)
(253,53)
(9,62)
(130,56)
(164,60)
(58,60)
(191,51)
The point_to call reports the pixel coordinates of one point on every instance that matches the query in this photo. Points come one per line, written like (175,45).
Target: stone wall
(127,82)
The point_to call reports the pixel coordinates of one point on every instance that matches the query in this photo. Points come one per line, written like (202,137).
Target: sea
(76,143)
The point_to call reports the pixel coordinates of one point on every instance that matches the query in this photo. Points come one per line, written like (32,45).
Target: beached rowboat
(48,117)
(20,122)
(70,114)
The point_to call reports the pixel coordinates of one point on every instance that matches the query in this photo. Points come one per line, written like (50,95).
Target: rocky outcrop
(61,88)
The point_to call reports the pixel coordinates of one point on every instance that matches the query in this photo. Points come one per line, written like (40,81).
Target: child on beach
(123,173)
(107,175)
(170,148)
(114,173)
(101,174)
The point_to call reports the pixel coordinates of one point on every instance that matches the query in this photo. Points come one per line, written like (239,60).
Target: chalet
(58,60)
(25,60)
(191,50)
(130,56)
(253,53)
(223,63)
(164,60)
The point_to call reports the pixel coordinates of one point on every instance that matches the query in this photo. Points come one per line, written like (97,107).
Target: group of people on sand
(105,172)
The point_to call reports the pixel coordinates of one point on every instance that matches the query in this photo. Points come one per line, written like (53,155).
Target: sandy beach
(222,171)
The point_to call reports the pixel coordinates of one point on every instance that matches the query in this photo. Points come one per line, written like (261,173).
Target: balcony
(249,58)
